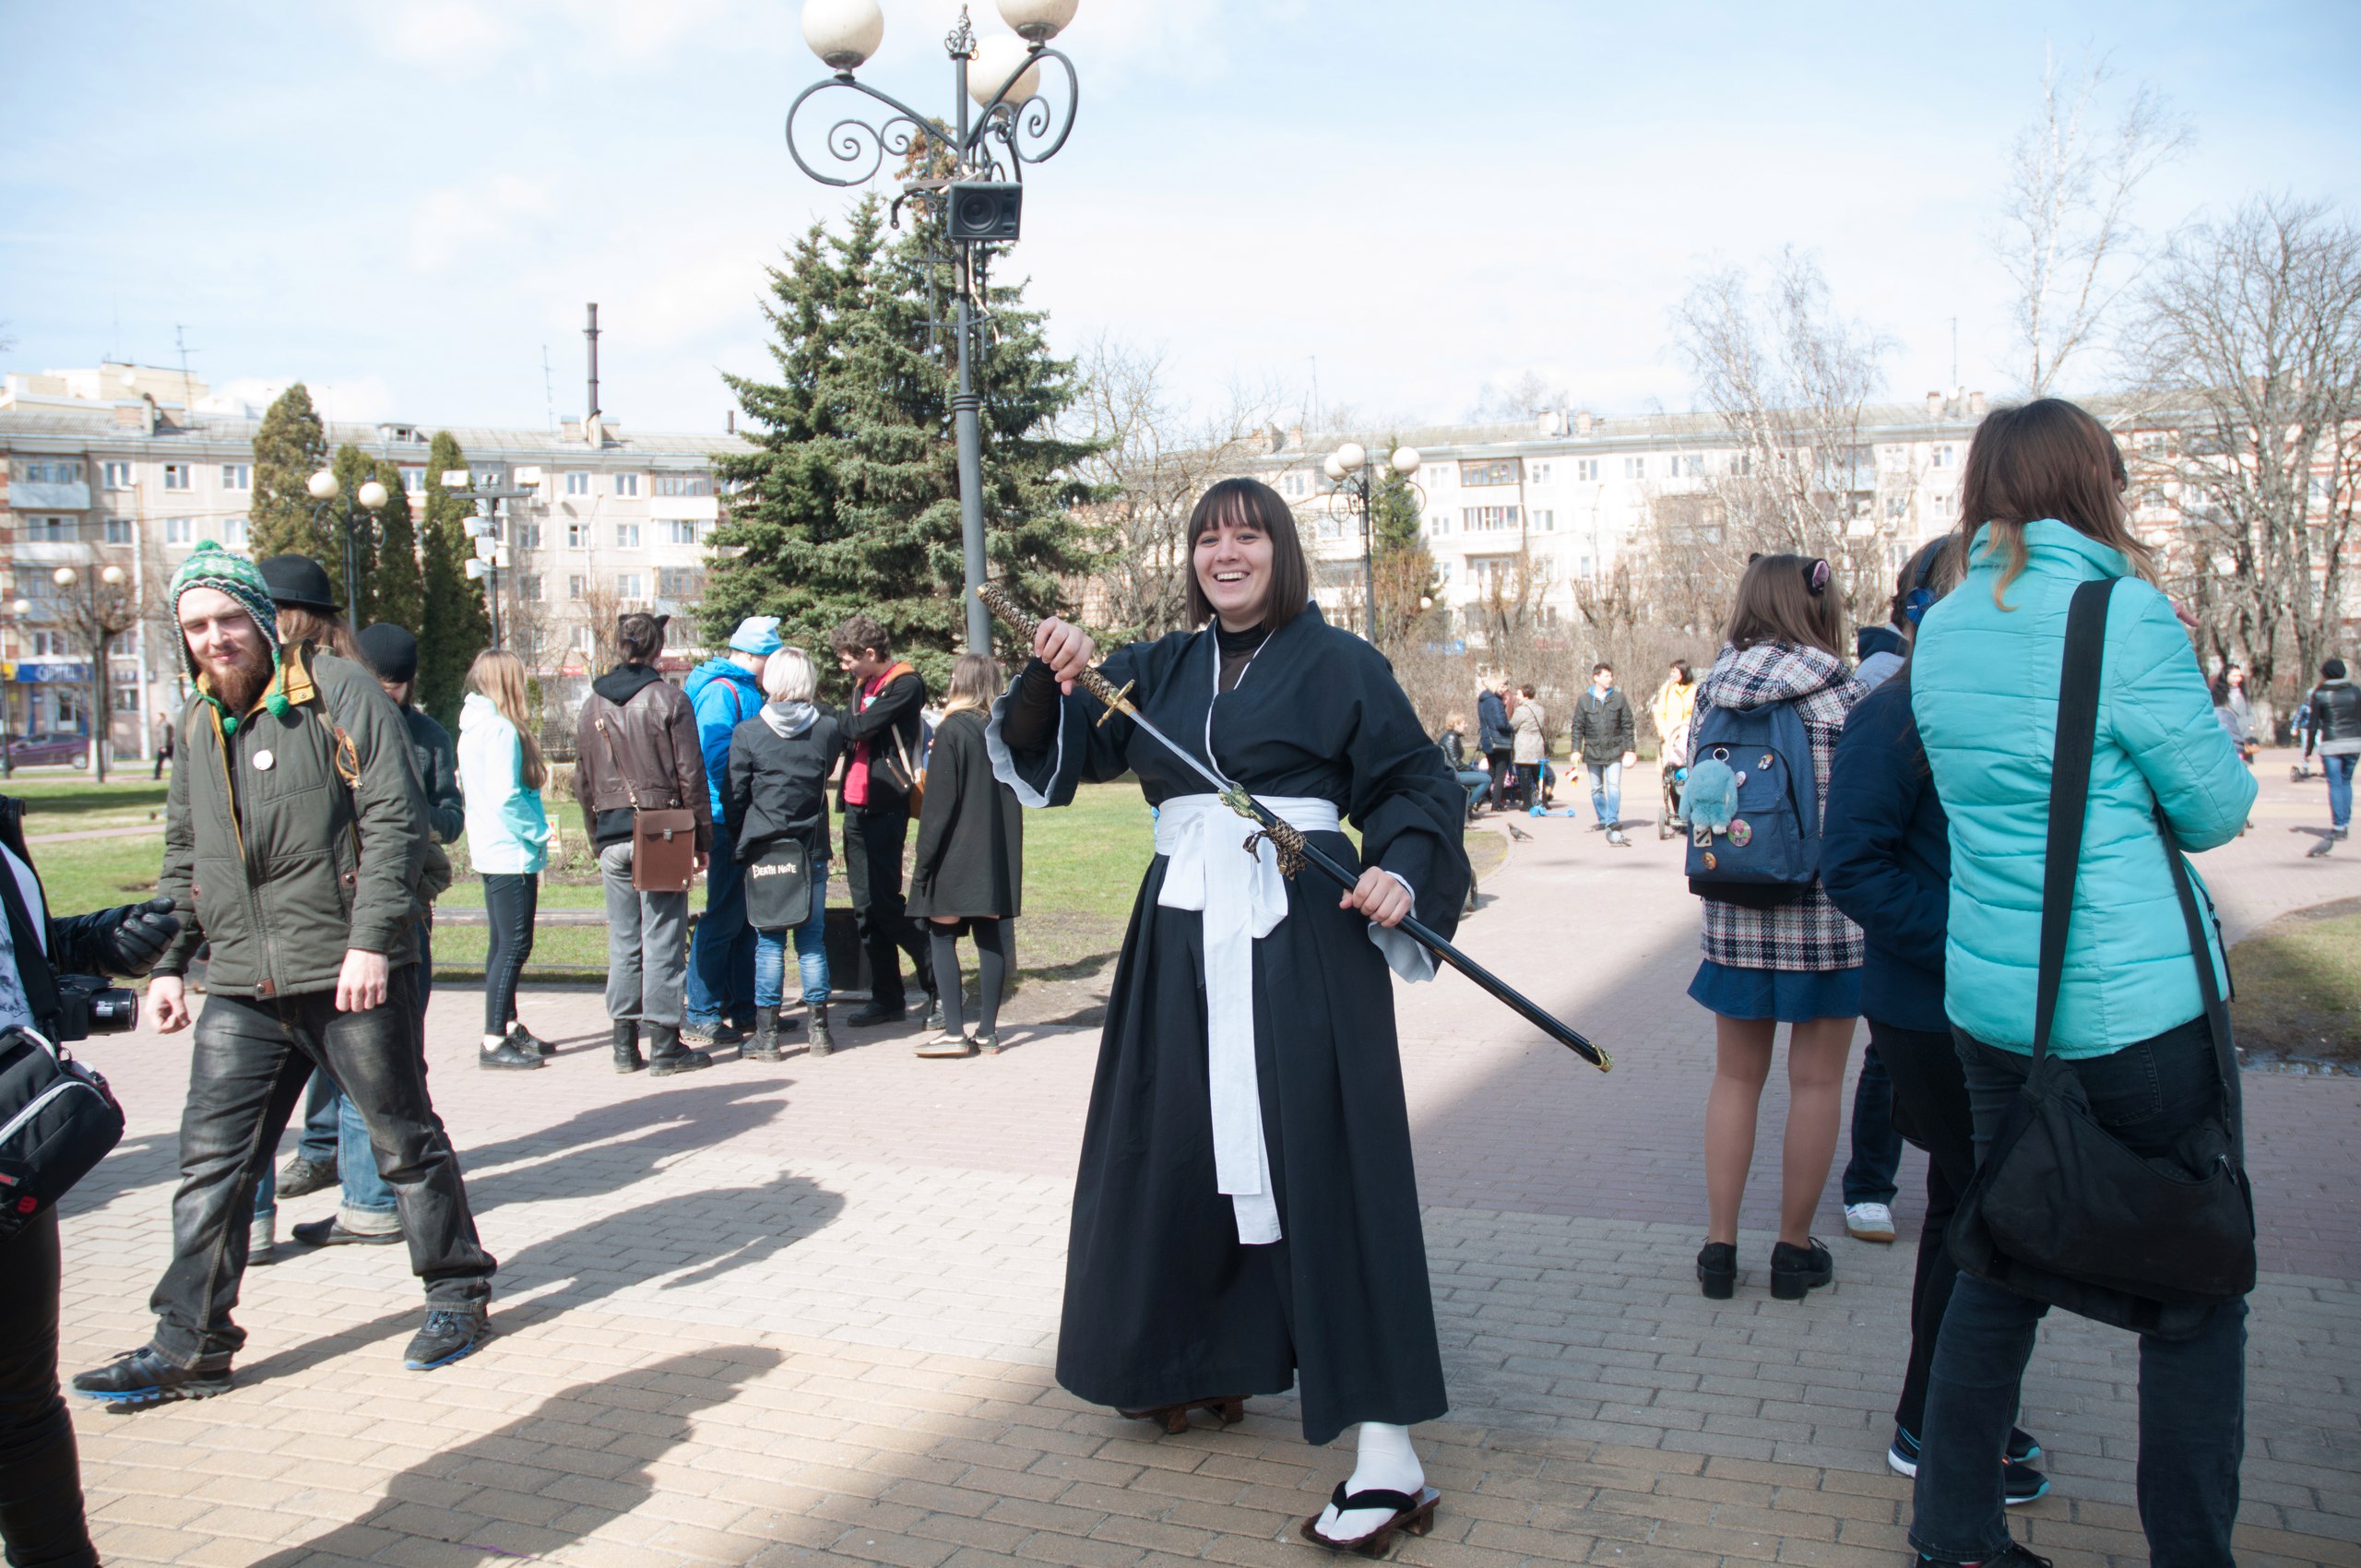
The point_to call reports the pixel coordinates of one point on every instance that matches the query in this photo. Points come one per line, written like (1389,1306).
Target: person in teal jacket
(502,772)
(2041,504)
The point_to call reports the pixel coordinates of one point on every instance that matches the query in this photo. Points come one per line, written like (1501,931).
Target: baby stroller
(1673,766)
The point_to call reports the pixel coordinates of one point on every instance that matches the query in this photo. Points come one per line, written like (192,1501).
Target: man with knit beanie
(294,842)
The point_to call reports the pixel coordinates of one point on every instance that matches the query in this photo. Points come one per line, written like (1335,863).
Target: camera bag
(57,1119)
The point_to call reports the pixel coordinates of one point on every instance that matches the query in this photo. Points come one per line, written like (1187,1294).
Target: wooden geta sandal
(1174,1418)
(1414,1515)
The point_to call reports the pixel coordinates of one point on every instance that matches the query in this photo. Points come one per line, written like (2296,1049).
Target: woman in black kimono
(1246,1217)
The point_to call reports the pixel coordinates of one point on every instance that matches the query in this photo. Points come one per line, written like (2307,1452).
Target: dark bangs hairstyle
(1249,503)
(2047,458)
(1788,598)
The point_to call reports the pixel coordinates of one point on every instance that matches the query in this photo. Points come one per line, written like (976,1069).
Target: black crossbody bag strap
(2070,794)
(2209,986)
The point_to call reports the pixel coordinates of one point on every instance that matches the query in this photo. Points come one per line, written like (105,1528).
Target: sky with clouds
(406,202)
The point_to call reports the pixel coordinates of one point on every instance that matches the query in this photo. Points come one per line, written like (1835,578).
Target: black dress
(969,859)
(1163,1302)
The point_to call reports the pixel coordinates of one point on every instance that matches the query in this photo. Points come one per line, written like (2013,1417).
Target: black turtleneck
(1238,648)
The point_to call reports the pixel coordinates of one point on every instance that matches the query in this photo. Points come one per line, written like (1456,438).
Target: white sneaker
(1869,1222)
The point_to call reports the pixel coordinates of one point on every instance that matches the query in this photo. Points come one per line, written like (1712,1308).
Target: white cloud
(475,219)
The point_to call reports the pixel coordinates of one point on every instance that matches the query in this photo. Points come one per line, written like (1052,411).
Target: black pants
(40,1479)
(992,939)
(510,902)
(248,1066)
(1503,769)
(873,842)
(1929,1108)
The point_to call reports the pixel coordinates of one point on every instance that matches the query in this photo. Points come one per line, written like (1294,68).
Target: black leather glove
(138,936)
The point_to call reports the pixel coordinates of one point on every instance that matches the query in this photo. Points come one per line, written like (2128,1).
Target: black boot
(764,1047)
(667,1055)
(627,1046)
(822,1041)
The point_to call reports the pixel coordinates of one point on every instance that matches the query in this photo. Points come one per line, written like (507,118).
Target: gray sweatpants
(647,945)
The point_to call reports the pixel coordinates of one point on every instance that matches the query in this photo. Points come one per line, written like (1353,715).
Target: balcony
(25,496)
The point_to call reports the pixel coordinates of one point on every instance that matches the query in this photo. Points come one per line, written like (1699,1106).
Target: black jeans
(1927,1100)
(1503,765)
(510,902)
(2192,1392)
(41,1477)
(245,1072)
(873,842)
(1876,1147)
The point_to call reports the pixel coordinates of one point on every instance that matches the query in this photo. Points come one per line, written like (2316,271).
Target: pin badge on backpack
(1741,831)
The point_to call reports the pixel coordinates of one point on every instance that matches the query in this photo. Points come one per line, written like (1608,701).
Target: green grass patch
(2299,985)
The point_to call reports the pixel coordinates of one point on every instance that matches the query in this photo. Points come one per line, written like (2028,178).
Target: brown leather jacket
(635,745)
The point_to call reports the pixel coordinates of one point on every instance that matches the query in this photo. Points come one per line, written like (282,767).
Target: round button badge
(265,762)
(1741,831)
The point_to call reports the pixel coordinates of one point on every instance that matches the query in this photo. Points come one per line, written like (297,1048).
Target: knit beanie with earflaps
(209,565)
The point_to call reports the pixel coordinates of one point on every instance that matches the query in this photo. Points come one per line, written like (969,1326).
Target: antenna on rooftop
(180,341)
(549,388)
(591,332)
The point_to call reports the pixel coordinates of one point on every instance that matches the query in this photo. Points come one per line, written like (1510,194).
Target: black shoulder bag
(2059,1211)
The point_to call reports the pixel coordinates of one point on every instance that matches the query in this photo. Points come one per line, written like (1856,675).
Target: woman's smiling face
(1233,567)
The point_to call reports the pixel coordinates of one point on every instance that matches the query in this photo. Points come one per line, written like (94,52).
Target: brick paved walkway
(772,1315)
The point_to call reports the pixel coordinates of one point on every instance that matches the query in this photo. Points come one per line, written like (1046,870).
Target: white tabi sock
(1387,1463)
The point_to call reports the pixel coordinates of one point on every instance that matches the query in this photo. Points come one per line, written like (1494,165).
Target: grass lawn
(2299,985)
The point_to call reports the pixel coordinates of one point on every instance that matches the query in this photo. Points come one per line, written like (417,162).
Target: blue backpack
(1752,806)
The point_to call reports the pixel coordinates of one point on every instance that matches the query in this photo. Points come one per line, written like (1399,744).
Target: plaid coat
(1810,933)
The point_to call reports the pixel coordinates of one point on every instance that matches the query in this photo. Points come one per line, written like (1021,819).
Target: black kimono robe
(1163,1302)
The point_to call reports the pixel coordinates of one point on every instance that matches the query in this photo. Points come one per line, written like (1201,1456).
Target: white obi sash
(1242,897)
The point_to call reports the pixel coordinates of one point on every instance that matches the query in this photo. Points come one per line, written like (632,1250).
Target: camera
(89,1004)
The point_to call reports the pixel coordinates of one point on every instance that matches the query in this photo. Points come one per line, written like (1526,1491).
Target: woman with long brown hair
(967,870)
(501,773)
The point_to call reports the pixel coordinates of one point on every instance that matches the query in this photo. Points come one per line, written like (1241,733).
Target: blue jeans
(1475,781)
(2192,1392)
(721,958)
(1876,1147)
(1607,790)
(811,952)
(2340,788)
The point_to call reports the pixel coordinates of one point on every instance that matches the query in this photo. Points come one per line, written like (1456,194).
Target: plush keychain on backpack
(1711,798)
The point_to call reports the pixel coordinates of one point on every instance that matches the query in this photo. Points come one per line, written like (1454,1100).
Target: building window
(1494,471)
(179,530)
(1687,465)
(118,476)
(679,582)
(1487,519)
(678,532)
(684,484)
(1586,468)
(630,587)
(237,476)
(1944,456)
(414,480)
(528,586)
(578,536)
(1537,473)
(578,484)
(54,471)
(493,477)
(175,476)
(234,532)
(626,484)
(576,585)
(49,644)
(118,530)
(528,536)
(1636,467)
(583,638)
(626,536)
(1545,521)
(1742,464)
(47,530)
(126,697)
(1439,523)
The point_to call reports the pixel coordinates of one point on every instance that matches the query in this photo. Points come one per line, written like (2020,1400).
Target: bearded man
(293,841)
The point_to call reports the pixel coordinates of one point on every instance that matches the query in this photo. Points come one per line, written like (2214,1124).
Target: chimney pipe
(591,332)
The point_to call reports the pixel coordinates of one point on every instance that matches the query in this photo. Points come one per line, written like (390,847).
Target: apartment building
(130,466)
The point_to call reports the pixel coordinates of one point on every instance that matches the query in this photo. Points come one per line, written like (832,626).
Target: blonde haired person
(969,868)
(501,774)
(775,787)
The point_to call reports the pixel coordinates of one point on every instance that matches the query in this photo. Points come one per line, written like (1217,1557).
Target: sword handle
(1009,613)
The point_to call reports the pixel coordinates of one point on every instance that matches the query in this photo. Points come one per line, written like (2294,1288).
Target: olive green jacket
(301,834)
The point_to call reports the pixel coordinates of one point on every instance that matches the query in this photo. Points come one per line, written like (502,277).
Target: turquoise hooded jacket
(1984,689)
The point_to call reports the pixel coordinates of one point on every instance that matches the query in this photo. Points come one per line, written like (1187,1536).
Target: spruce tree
(397,593)
(853,501)
(455,625)
(1399,560)
(289,448)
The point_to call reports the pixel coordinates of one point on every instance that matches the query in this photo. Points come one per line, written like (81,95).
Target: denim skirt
(1786,997)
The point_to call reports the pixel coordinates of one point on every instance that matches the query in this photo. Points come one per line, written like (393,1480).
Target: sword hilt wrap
(1009,613)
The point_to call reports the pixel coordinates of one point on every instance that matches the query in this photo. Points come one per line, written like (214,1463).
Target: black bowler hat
(298,582)
(391,651)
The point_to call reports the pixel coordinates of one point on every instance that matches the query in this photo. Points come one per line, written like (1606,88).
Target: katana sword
(1294,851)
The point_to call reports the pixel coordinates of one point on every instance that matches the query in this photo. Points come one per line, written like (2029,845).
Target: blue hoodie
(723,694)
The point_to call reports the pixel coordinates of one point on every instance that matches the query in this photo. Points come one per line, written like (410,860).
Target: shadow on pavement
(547,1479)
(611,1146)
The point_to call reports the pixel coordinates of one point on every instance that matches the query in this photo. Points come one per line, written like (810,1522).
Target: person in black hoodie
(41,1518)
(1885,860)
(775,789)
(887,748)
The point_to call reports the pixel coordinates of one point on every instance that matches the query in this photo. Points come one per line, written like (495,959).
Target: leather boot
(822,1041)
(764,1046)
(667,1055)
(627,1046)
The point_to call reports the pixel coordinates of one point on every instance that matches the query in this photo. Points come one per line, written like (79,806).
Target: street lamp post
(18,610)
(491,555)
(1359,477)
(326,489)
(980,198)
(105,610)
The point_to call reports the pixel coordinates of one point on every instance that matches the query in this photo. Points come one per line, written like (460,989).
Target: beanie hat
(298,582)
(757,635)
(391,651)
(209,565)
(2332,669)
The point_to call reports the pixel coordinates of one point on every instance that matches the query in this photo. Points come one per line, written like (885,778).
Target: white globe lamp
(1351,455)
(373,495)
(114,576)
(843,33)
(997,59)
(1037,21)
(65,577)
(1406,460)
(322,484)
(20,607)
(1334,468)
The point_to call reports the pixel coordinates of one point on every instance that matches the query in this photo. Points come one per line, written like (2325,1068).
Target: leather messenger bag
(663,843)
